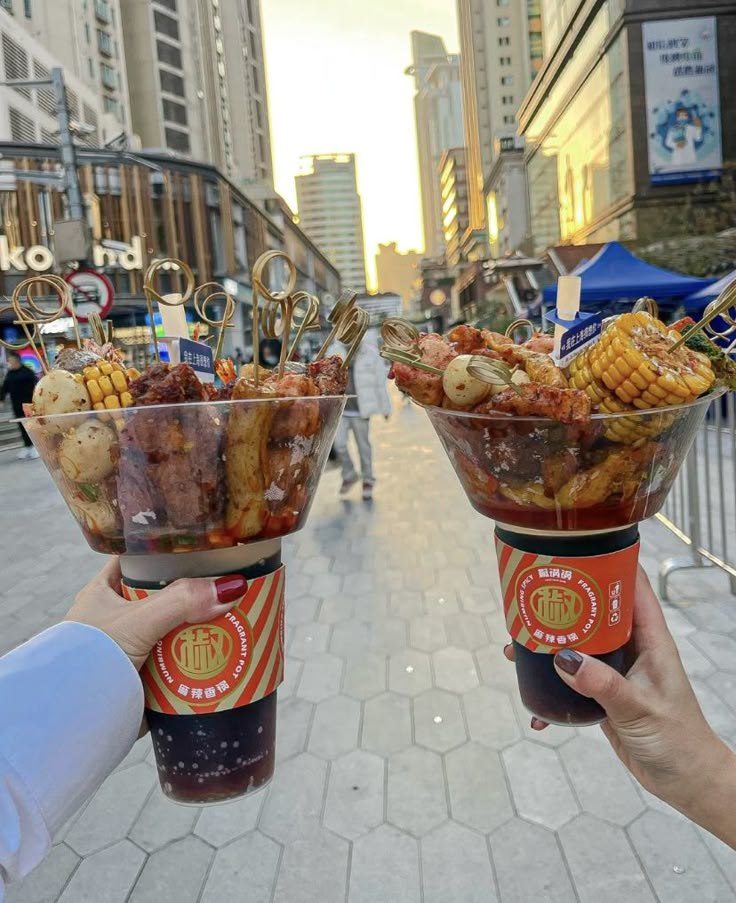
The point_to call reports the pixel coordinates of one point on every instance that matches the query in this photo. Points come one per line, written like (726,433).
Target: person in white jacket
(71,704)
(367,397)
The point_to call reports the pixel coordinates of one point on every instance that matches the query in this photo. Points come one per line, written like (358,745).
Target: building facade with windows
(439,125)
(197,83)
(29,114)
(630,127)
(501,52)
(152,206)
(330,212)
(86,40)
(453,180)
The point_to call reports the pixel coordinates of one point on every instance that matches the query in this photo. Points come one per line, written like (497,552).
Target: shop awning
(711,292)
(615,274)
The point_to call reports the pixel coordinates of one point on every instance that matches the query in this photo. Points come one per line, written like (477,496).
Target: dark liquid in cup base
(548,697)
(215,757)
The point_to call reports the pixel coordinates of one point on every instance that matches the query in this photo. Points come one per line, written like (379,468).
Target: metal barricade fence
(701,508)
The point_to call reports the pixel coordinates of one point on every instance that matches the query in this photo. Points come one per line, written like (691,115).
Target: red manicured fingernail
(569,661)
(230,588)
(507,647)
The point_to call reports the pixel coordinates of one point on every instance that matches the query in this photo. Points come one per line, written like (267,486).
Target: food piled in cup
(567,441)
(167,461)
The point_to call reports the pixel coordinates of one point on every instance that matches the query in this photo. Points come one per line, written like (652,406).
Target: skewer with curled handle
(204,295)
(401,346)
(648,305)
(307,307)
(101,332)
(349,324)
(721,307)
(521,323)
(31,316)
(277,315)
(171,300)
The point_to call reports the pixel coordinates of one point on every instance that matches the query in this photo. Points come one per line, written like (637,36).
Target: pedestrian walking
(367,397)
(19,384)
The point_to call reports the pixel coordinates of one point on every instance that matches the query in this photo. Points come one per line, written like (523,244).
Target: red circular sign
(93,293)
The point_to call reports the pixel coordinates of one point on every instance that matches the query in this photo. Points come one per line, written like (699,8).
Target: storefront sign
(683,106)
(40,259)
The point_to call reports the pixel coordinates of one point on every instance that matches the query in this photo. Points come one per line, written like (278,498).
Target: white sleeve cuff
(71,705)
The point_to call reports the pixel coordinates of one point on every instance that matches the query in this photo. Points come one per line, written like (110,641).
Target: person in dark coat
(19,383)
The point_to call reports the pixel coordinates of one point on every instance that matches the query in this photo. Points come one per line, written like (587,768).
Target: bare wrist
(709,799)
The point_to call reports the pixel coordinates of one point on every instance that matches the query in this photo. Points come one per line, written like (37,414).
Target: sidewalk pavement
(407,769)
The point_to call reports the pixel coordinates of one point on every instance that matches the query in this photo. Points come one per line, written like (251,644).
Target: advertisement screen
(681,90)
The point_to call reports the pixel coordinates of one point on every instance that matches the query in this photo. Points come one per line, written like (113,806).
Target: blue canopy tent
(704,296)
(615,278)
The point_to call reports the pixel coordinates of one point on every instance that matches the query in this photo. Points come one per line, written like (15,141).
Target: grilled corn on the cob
(632,366)
(108,386)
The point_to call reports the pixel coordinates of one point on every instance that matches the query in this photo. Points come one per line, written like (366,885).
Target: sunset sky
(337,84)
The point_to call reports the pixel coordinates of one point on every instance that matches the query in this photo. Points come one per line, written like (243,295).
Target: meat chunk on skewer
(329,375)
(161,384)
(424,387)
(563,405)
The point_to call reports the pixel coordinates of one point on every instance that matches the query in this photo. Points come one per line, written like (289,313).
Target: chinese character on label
(554,572)
(561,640)
(572,638)
(196,694)
(210,693)
(550,638)
(183,690)
(543,572)
(538,634)
(223,686)
(566,575)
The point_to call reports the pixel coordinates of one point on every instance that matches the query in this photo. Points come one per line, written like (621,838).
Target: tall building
(652,120)
(85,39)
(399,272)
(439,124)
(454,190)
(500,53)
(330,212)
(197,82)
(29,114)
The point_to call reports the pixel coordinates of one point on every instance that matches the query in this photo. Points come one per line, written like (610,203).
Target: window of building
(166,25)
(102,10)
(502,2)
(91,67)
(509,120)
(104,42)
(7,4)
(507,79)
(168,54)
(177,141)
(16,63)
(108,76)
(504,41)
(504,60)
(27,9)
(110,104)
(167,4)
(21,127)
(175,112)
(503,21)
(507,99)
(172,84)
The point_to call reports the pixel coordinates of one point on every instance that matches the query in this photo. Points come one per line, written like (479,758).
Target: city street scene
(367,451)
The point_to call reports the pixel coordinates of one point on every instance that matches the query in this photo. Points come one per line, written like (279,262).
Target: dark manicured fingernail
(230,588)
(569,661)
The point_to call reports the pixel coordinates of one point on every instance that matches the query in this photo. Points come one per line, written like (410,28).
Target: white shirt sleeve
(71,704)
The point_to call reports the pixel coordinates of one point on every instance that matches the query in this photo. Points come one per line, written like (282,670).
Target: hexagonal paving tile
(355,794)
(441,604)
(494,669)
(491,717)
(427,633)
(385,866)
(250,862)
(548,880)
(408,672)
(337,608)
(454,669)
(162,821)
(294,802)
(466,630)
(416,791)
(601,783)
(479,796)
(603,865)
(313,870)
(386,724)
(365,676)
(438,721)
(406,603)
(335,727)
(539,786)
(300,609)
(350,638)
(219,825)
(456,866)
(309,639)
(388,635)
(174,874)
(721,650)
(108,875)
(48,879)
(320,678)
(292,726)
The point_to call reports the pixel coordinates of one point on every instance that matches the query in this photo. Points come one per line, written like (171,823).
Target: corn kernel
(106,386)
(106,368)
(98,406)
(94,391)
(91,373)
(133,373)
(112,402)
(118,380)
(126,399)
